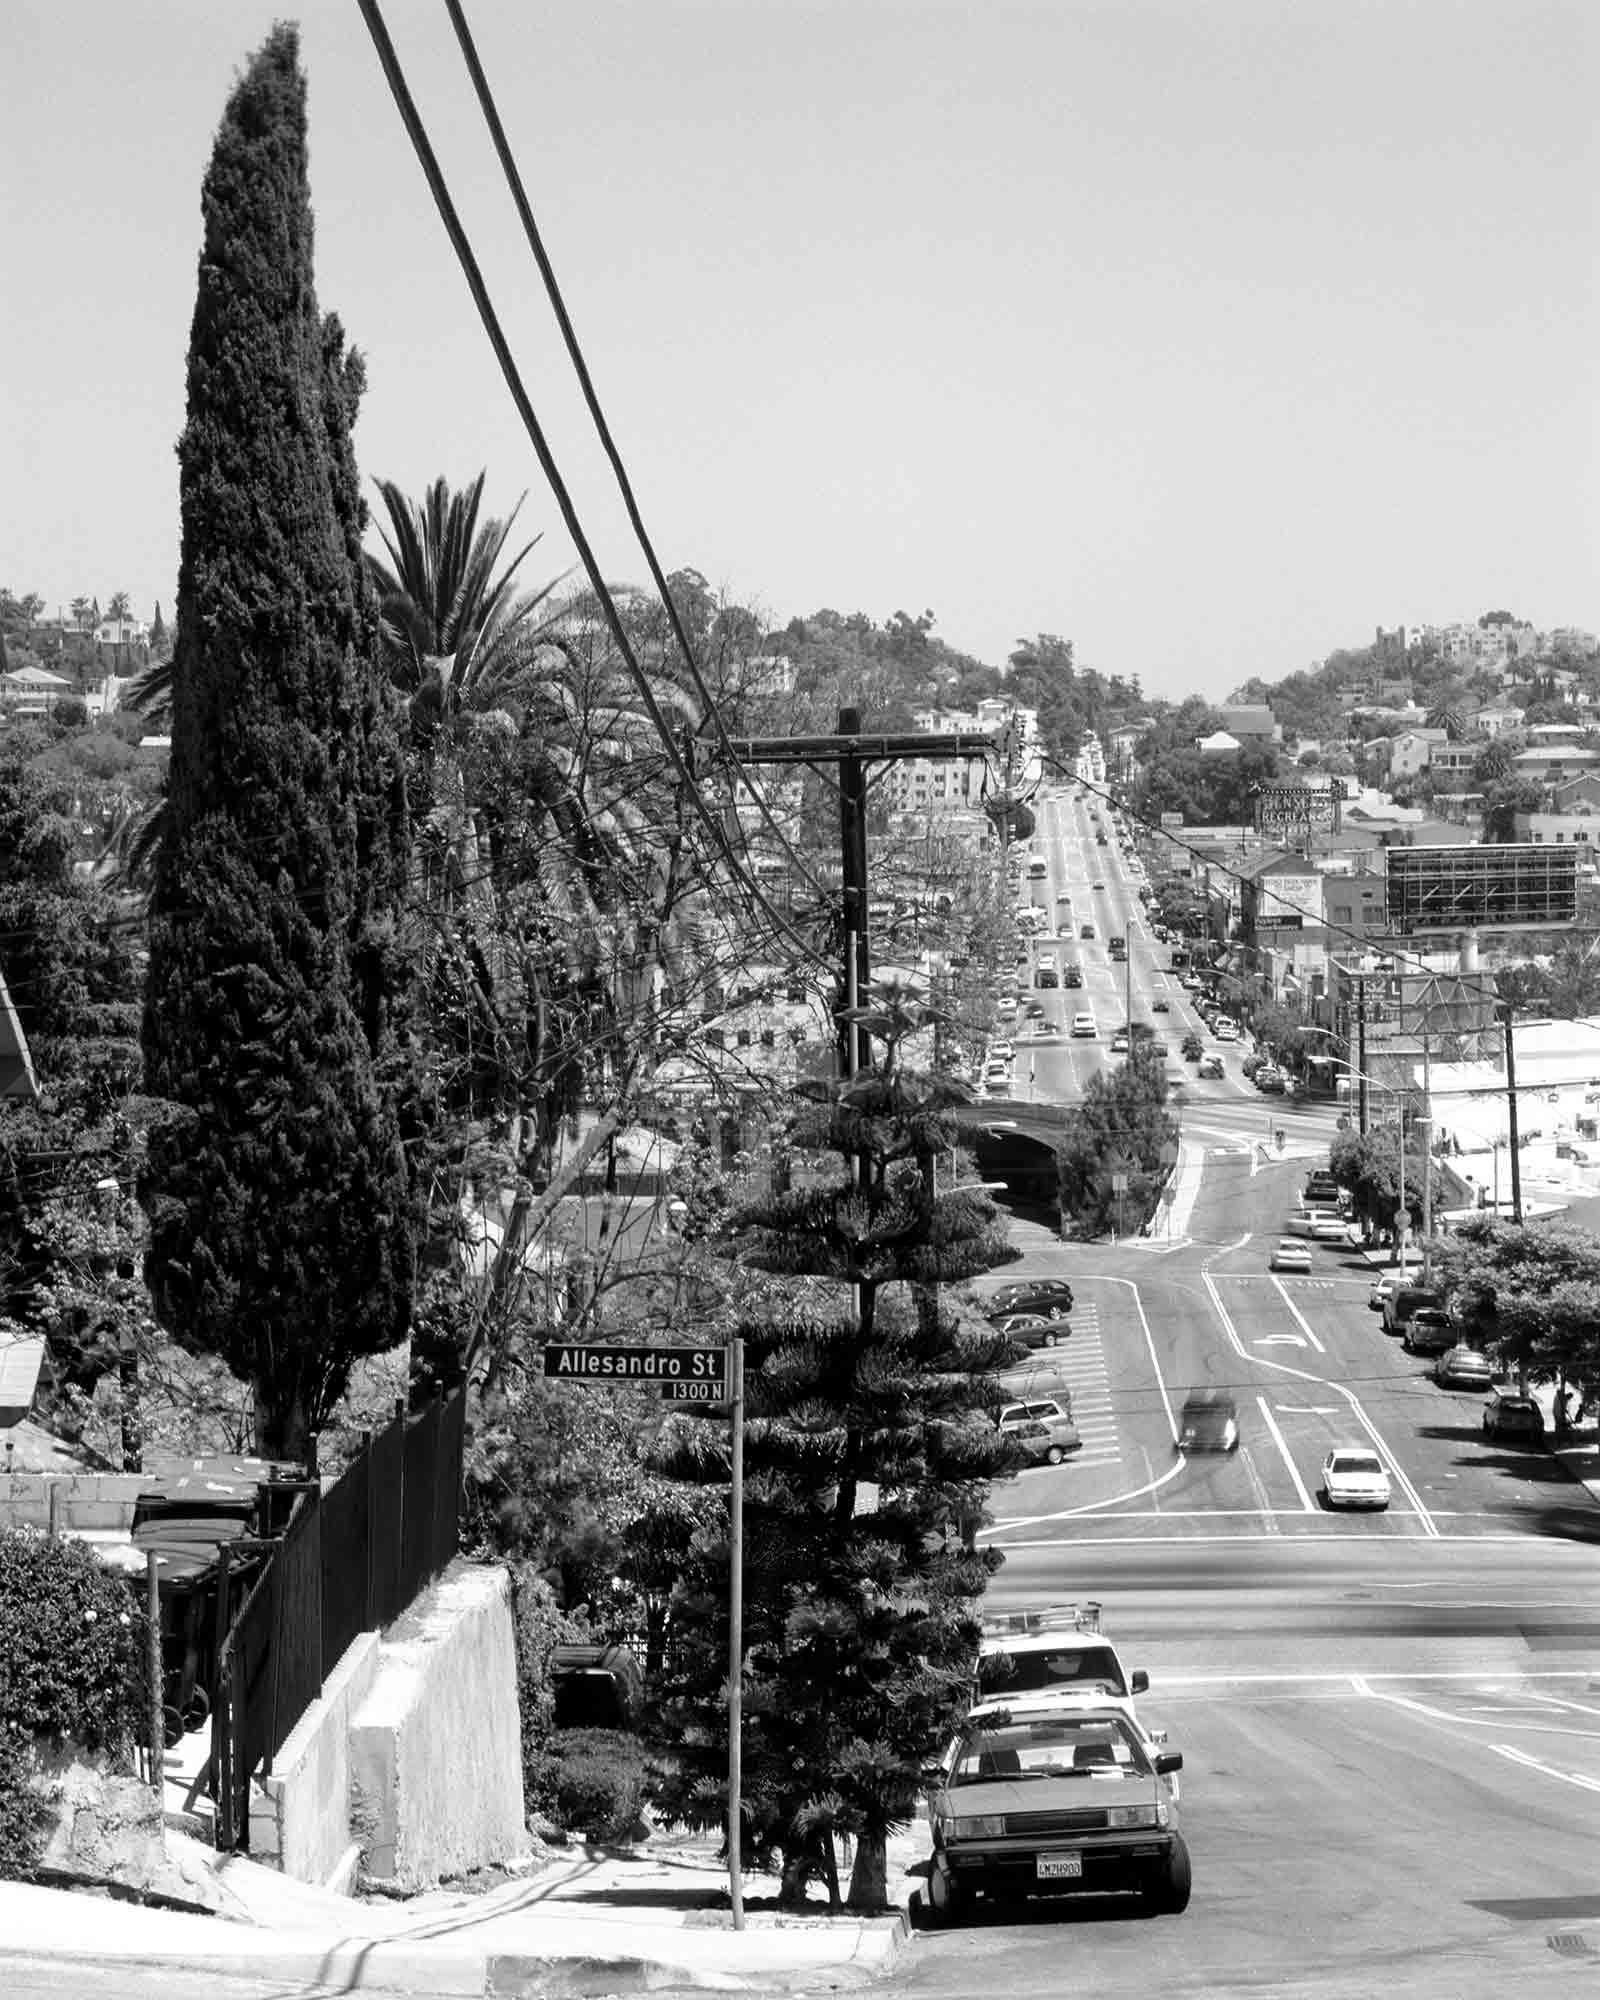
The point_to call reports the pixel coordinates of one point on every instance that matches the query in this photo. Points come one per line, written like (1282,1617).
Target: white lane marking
(1300,1319)
(1315,1674)
(1545,1770)
(1277,1340)
(1397,1472)
(1283,1450)
(1550,1701)
(1360,1683)
(1324,1533)
(1308,1409)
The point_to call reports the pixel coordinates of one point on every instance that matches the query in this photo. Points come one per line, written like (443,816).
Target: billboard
(1172,819)
(1461,888)
(1295,808)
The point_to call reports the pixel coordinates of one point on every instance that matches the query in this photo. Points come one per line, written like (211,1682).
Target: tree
(1531,1294)
(276,1186)
(1121,1130)
(120,607)
(82,616)
(1369,1165)
(1503,799)
(158,630)
(860,1612)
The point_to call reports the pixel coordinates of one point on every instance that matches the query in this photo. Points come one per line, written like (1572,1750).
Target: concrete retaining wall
(436,1745)
(410,1763)
(300,1816)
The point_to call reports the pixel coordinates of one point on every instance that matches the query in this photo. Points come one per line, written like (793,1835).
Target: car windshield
(1033,1672)
(1048,1747)
(1356,1461)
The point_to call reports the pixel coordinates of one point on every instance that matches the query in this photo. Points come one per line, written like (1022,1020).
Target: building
(1551,763)
(1411,751)
(1252,722)
(34,693)
(1218,744)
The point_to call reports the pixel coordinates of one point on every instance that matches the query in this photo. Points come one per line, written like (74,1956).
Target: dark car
(1160,1005)
(1210,1422)
(1270,1082)
(1193,1048)
(1086,930)
(1508,1415)
(1029,1329)
(1073,976)
(1051,1296)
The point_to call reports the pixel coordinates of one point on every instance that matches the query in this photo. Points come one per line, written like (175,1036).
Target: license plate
(1058,1867)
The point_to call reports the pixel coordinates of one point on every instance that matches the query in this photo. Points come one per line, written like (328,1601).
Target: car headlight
(980,1826)
(1136,1816)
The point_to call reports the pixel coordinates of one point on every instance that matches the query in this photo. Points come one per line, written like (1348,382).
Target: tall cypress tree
(281,1218)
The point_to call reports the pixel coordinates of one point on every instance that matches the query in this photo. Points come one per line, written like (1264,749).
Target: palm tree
(80,612)
(1446,715)
(121,606)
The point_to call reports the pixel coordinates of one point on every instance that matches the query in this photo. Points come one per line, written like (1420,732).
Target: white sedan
(1353,1476)
(1291,1256)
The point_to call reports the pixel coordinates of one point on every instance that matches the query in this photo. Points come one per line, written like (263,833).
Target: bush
(541,1625)
(72,1637)
(591,1781)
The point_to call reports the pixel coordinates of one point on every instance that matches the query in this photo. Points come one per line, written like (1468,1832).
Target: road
(1391,1722)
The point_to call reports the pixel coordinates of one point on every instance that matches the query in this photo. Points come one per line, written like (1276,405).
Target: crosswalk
(1077,1365)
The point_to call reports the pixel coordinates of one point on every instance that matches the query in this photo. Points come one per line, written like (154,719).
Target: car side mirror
(1139,1681)
(1169,1760)
(931,1777)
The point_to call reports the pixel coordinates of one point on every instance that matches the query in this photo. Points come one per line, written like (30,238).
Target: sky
(1209,336)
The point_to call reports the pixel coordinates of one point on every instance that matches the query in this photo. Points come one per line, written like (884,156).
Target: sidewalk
(585,1921)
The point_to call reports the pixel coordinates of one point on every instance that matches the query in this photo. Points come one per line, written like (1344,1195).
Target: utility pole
(1361,1052)
(1427,1157)
(848,756)
(1511,1117)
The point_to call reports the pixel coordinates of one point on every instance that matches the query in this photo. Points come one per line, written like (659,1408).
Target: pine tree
(158,630)
(282,1222)
(869,1447)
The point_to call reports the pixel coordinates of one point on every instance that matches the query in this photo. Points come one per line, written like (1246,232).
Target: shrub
(71,1646)
(541,1625)
(72,1639)
(591,1781)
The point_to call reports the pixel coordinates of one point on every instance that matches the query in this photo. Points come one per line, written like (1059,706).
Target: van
(1405,1300)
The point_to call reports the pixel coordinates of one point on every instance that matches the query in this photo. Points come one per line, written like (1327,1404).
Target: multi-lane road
(1390,1722)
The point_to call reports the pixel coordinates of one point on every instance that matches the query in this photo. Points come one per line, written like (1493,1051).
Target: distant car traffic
(1210,1066)
(1161,1004)
(1353,1476)
(1291,1256)
(1086,930)
(1119,1042)
(1083,1026)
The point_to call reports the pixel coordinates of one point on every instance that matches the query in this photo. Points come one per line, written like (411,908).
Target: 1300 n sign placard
(635,1364)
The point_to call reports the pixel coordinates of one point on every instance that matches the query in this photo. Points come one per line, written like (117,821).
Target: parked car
(1039,1409)
(1072,976)
(1049,1030)
(1086,930)
(1403,1302)
(1251,1063)
(1047,1799)
(1509,1415)
(1429,1330)
(1083,1027)
(1028,1329)
(1044,1444)
(1291,1256)
(1462,1367)
(1020,1294)
(1119,1042)
(1209,1422)
(1224,1029)
(1353,1476)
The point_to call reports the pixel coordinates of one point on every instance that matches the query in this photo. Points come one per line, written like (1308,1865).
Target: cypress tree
(281,1220)
(869,1445)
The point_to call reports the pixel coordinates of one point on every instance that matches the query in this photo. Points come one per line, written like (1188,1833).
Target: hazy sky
(1207,333)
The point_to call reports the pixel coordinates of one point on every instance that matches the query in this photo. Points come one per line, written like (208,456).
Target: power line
(558,304)
(465,257)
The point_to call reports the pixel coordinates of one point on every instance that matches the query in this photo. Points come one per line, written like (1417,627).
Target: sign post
(736,1626)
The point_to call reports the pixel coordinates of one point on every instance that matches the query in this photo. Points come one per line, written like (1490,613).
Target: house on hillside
(32,693)
(1498,717)
(1411,751)
(1218,744)
(1252,722)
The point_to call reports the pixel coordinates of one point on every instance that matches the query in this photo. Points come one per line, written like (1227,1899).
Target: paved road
(1390,1723)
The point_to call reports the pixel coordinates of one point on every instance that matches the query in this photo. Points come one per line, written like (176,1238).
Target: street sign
(713,1393)
(1119,1183)
(635,1364)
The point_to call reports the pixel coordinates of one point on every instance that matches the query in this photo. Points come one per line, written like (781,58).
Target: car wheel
(1054,1455)
(1167,1893)
(944,1901)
